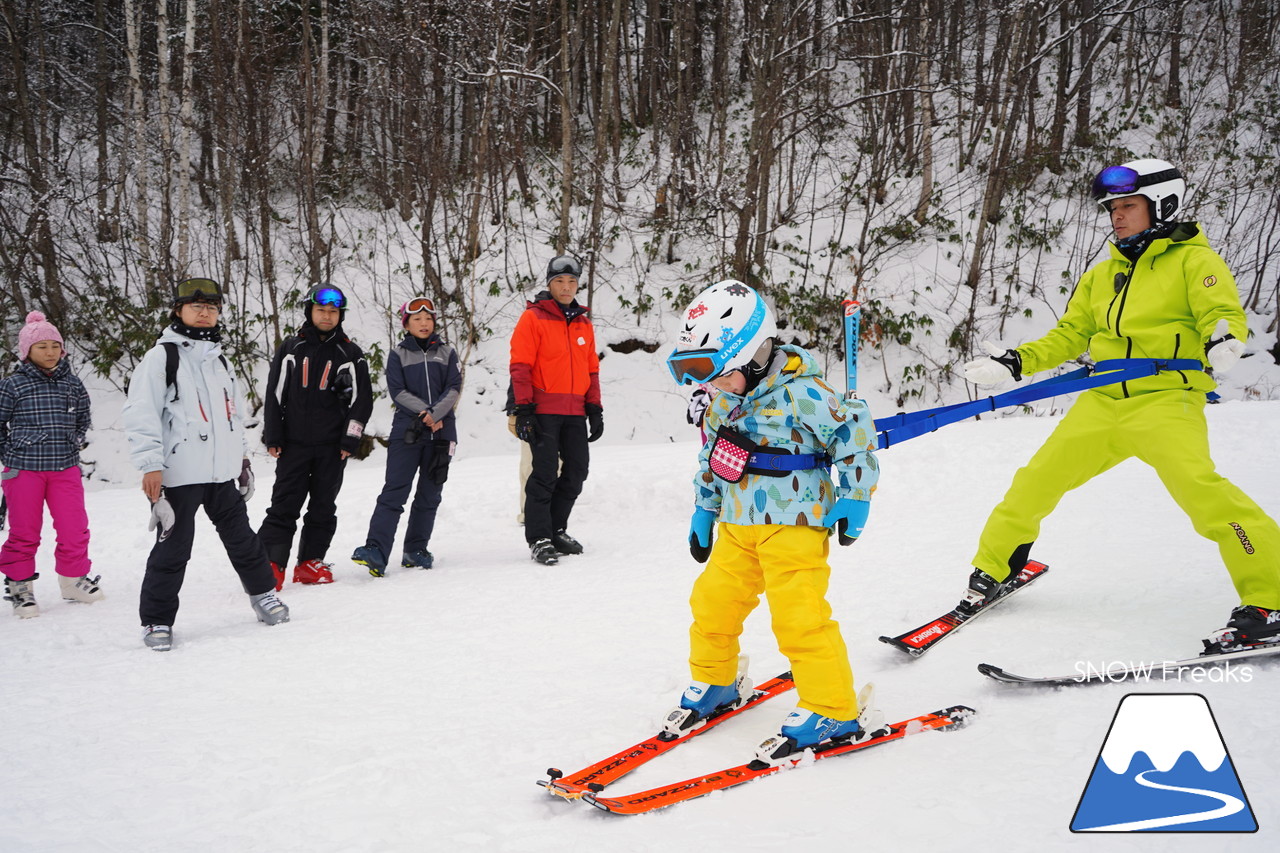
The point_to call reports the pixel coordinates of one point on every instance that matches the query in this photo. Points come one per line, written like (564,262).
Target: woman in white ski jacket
(187,436)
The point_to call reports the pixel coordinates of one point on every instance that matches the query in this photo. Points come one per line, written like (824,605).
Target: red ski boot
(312,572)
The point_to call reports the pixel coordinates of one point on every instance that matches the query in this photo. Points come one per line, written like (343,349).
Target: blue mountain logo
(1163,768)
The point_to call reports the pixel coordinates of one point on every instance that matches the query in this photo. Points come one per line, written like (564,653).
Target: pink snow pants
(26,494)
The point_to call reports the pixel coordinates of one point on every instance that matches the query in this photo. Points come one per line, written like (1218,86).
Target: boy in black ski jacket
(318,401)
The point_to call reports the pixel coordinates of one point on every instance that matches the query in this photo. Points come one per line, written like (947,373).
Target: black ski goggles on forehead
(198,290)
(330,296)
(1122,180)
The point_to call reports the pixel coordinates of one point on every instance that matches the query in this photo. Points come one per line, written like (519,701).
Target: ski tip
(990,670)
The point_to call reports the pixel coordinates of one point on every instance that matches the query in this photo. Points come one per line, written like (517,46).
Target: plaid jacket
(43,418)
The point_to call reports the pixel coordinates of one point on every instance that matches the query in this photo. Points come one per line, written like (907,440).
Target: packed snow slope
(416,711)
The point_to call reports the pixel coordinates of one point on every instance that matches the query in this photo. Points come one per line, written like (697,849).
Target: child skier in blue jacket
(773,431)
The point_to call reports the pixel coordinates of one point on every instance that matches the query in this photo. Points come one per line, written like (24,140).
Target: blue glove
(700,533)
(848,518)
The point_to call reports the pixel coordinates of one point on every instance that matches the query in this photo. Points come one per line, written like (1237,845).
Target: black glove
(342,387)
(595,420)
(441,456)
(414,431)
(527,423)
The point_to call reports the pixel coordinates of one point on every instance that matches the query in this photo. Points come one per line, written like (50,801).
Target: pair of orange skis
(589,783)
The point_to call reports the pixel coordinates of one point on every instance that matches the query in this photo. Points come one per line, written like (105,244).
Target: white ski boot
(23,597)
(158,637)
(83,588)
(269,608)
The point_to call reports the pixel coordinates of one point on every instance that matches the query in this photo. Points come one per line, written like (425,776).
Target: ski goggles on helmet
(330,296)
(197,290)
(695,366)
(417,305)
(563,265)
(1122,180)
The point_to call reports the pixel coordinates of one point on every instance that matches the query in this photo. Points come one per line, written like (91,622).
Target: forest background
(930,157)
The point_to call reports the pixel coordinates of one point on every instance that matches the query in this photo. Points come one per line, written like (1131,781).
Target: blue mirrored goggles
(329,296)
(1114,180)
(1122,180)
(695,366)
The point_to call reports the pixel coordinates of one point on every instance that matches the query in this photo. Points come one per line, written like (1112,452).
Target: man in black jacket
(318,401)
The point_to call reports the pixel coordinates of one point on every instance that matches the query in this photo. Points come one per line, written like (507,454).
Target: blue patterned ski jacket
(795,410)
(43,418)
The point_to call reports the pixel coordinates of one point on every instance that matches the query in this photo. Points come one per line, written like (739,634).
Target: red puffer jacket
(553,358)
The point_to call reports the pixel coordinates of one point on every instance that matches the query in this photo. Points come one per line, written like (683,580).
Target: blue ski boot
(369,555)
(702,701)
(803,729)
(416,559)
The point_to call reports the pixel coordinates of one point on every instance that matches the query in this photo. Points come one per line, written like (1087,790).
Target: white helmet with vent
(1158,180)
(722,329)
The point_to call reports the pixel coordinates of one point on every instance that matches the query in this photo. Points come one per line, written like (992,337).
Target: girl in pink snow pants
(44,415)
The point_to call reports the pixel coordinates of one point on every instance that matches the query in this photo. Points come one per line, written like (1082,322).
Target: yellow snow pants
(789,565)
(1166,430)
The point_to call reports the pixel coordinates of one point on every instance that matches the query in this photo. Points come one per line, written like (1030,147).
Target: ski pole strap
(778,464)
(907,425)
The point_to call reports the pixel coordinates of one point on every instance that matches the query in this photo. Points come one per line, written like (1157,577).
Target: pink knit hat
(37,329)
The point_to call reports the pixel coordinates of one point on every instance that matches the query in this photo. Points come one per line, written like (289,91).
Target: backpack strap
(171,367)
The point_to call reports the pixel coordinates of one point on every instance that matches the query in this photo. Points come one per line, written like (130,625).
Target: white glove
(162,517)
(1223,350)
(994,368)
(245,481)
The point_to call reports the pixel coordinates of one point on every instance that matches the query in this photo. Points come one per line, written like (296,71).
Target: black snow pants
(167,563)
(310,474)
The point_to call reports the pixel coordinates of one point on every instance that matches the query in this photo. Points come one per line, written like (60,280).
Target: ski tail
(852,331)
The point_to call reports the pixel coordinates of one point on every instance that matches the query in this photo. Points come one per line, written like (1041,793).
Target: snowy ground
(415,712)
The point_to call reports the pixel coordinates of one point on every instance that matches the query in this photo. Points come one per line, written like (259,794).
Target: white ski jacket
(192,431)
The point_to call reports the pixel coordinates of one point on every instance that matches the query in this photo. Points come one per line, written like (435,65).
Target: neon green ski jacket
(1164,306)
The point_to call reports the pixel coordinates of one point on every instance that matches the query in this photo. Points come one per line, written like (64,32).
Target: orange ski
(656,798)
(593,779)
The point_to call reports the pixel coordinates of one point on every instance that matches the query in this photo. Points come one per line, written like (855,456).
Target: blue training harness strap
(764,463)
(902,427)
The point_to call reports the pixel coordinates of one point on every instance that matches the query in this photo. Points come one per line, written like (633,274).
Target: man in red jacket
(555,374)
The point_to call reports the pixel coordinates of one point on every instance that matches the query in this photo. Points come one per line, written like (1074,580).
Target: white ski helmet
(1158,180)
(723,329)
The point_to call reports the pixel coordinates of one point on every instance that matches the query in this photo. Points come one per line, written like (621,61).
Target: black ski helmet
(325,294)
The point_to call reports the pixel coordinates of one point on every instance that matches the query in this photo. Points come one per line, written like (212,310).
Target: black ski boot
(1248,627)
(566,544)
(543,552)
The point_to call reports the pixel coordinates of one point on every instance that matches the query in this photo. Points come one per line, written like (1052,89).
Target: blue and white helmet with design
(721,330)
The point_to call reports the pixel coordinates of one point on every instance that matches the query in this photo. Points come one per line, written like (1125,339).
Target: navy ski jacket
(420,380)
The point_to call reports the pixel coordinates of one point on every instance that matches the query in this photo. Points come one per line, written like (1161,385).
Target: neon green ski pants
(1166,430)
(788,563)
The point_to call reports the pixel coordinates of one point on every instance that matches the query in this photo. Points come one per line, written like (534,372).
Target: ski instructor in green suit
(1161,294)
